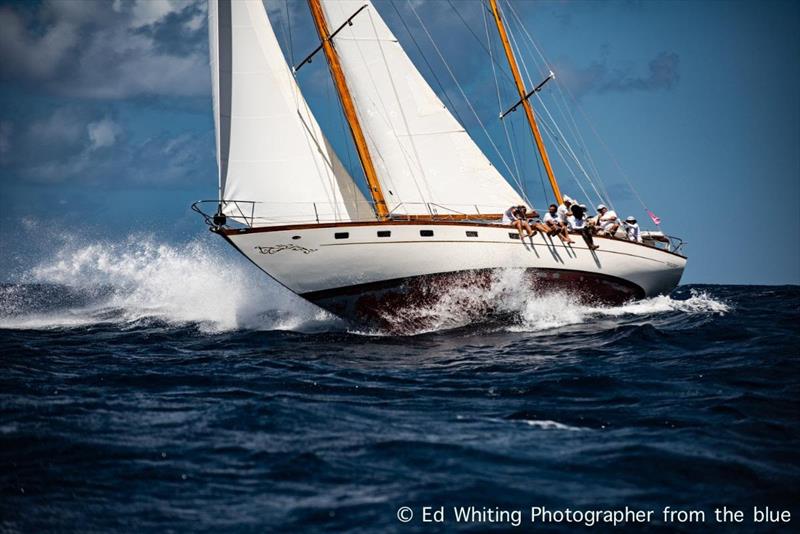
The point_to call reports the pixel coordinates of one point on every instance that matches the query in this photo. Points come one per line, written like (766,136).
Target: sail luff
(349,109)
(219,30)
(271,152)
(523,93)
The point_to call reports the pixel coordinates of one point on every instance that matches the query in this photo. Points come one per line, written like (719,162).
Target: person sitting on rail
(632,229)
(607,221)
(508,216)
(555,226)
(565,209)
(578,222)
(535,221)
(515,217)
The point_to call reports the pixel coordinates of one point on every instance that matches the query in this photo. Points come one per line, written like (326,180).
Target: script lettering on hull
(280,248)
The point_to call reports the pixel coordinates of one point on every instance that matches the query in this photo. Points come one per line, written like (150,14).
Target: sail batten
(423,155)
(270,148)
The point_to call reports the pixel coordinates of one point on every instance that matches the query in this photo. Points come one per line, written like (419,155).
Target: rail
(252,214)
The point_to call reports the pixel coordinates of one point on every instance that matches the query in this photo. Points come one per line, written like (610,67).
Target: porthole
(384,233)
(472,233)
(341,235)
(426,233)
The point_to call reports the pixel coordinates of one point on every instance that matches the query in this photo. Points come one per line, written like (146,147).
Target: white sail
(270,149)
(424,157)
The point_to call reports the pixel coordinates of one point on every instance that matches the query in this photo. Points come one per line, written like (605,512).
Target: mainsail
(426,161)
(270,149)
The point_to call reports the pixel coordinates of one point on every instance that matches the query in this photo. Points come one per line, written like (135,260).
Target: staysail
(426,161)
(270,149)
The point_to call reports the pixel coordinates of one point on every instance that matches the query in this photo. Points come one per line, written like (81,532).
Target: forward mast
(524,95)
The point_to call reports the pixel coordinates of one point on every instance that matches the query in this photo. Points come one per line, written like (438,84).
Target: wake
(511,305)
(141,281)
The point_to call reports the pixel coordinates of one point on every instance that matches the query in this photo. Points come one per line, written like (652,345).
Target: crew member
(632,229)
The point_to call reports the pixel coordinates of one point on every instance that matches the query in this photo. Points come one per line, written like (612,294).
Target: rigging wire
(562,89)
(566,115)
(463,94)
(519,179)
(558,146)
(569,150)
(478,39)
(412,160)
(289,26)
(561,137)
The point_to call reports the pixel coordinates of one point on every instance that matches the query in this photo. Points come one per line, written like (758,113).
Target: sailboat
(432,217)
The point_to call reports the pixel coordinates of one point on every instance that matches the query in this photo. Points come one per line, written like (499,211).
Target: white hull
(335,272)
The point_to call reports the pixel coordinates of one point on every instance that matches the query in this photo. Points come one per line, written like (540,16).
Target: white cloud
(196,22)
(147,12)
(80,145)
(102,133)
(35,56)
(96,49)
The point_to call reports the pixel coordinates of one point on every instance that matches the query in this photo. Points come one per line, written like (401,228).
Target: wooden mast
(349,109)
(525,103)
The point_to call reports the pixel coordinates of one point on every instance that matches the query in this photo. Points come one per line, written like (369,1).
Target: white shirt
(508,216)
(633,233)
(549,217)
(575,223)
(563,213)
(608,219)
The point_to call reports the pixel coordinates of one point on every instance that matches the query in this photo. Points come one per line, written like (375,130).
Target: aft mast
(524,95)
(349,109)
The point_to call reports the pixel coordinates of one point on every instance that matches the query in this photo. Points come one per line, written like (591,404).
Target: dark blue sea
(154,388)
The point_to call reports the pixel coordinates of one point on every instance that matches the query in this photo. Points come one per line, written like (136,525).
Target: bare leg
(565,236)
(527,228)
(518,226)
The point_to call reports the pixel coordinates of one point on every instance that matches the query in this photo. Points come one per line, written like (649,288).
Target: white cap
(631,218)
(601,207)
(567,199)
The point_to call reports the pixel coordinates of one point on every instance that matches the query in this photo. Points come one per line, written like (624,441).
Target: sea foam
(141,280)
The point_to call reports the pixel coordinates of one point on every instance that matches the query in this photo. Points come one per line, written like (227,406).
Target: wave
(509,302)
(140,281)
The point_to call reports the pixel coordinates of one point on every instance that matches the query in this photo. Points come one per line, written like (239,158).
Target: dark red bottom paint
(386,305)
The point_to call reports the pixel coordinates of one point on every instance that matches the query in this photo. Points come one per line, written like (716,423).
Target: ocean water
(152,387)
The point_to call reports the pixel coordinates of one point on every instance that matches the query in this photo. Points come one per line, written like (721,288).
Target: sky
(106,128)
